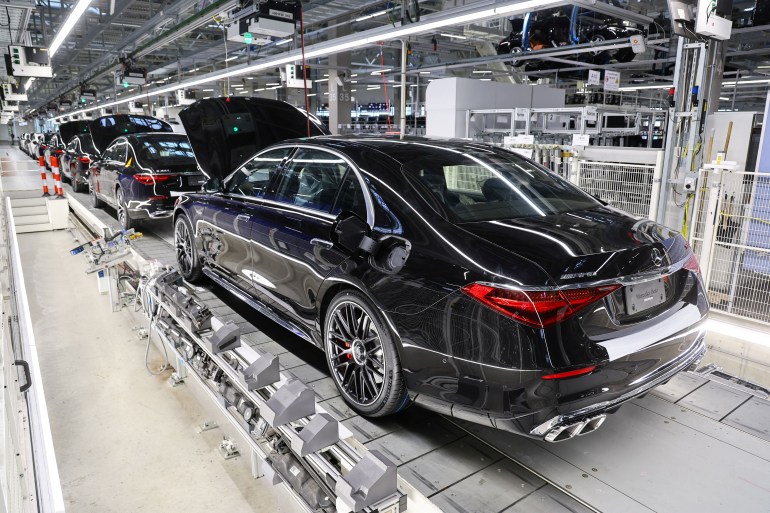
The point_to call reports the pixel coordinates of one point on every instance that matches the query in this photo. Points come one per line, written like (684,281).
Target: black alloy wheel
(186,254)
(123,216)
(362,357)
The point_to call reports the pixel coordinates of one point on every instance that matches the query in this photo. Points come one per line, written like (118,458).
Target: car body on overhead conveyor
(455,275)
(142,165)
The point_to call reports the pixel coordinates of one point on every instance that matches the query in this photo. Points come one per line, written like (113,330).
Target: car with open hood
(142,166)
(78,153)
(455,275)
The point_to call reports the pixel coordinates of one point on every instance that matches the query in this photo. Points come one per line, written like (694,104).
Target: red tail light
(570,374)
(84,160)
(692,264)
(59,152)
(537,308)
(147,179)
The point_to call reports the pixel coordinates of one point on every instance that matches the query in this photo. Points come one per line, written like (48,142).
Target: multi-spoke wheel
(123,216)
(186,255)
(362,356)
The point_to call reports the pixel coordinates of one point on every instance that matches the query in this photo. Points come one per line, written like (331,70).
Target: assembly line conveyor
(699,443)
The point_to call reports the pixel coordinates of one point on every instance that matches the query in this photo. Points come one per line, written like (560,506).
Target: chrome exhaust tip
(592,424)
(567,431)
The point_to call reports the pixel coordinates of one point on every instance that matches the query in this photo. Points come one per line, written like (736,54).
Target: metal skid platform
(697,444)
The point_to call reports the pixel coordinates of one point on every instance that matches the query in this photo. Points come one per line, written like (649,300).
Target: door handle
(322,243)
(242,217)
(27,376)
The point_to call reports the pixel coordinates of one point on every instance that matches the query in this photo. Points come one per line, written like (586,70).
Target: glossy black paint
(458,355)
(76,160)
(116,172)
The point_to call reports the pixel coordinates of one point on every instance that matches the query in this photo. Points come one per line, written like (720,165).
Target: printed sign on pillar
(594,77)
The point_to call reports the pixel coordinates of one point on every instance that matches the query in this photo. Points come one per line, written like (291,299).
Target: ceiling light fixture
(380,71)
(227,60)
(481,71)
(322,80)
(373,15)
(453,36)
(67,26)
(348,43)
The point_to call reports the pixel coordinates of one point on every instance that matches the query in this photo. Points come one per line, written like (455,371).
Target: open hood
(106,129)
(71,129)
(226,132)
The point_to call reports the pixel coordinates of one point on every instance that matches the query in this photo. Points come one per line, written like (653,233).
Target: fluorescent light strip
(453,36)
(415,28)
(380,71)
(640,88)
(67,26)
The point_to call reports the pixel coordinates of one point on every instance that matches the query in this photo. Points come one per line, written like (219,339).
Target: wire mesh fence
(629,187)
(731,235)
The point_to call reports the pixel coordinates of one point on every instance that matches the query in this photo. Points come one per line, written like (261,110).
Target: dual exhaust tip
(571,430)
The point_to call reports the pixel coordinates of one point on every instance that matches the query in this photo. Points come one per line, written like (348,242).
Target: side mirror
(213,185)
(351,233)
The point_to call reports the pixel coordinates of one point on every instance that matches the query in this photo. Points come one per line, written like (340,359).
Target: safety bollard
(44,174)
(56,176)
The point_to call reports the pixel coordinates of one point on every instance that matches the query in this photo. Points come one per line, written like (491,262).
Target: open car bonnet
(226,132)
(73,128)
(106,129)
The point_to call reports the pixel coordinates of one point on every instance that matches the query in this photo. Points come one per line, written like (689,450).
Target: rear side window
(350,197)
(485,185)
(312,179)
(254,176)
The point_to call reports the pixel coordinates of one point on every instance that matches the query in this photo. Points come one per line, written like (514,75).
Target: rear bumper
(584,399)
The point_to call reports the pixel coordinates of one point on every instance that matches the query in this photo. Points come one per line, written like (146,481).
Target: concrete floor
(125,441)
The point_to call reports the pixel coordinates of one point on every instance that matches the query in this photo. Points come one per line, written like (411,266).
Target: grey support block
(225,338)
(373,479)
(263,372)
(322,431)
(291,402)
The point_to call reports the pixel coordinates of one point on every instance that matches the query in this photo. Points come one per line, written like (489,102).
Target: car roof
(393,146)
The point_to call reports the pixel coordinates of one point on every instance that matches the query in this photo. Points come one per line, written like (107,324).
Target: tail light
(84,160)
(537,308)
(692,264)
(59,152)
(148,179)
(571,373)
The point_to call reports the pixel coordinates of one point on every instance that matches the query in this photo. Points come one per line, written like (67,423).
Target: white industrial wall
(447,101)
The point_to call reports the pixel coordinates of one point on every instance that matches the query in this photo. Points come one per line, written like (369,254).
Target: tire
(125,220)
(186,253)
(74,173)
(95,201)
(625,55)
(362,356)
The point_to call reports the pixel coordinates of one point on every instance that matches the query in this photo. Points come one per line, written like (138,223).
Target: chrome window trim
(361,182)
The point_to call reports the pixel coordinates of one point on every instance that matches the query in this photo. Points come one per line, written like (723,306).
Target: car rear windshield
(477,184)
(165,151)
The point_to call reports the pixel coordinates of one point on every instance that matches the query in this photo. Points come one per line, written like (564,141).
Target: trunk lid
(71,129)
(586,246)
(106,129)
(226,132)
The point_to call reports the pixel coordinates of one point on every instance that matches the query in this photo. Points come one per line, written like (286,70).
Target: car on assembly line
(78,154)
(55,147)
(30,146)
(142,164)
(454,275)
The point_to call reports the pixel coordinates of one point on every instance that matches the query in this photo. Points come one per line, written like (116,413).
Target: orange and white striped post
(56,175)
(44,174)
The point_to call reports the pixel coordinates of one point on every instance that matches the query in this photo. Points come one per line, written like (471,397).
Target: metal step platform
(697,444)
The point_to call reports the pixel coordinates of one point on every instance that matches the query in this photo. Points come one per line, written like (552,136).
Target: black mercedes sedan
(454,275)
(78,153)
(142,168)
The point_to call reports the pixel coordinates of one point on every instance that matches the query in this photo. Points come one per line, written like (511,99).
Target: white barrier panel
(49,493)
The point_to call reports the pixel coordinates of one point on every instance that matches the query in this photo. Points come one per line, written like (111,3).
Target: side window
(350,197)
(255,175)
(73,145)
(119,152)
(312,179)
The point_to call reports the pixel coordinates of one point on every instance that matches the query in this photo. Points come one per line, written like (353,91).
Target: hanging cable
(304,67)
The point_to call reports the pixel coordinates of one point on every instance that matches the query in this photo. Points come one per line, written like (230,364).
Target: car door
(291,231)
(112,168)
(226,221)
